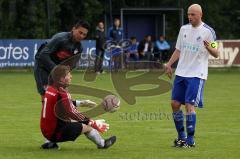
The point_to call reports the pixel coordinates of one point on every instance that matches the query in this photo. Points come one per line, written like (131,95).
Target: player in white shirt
(192,49)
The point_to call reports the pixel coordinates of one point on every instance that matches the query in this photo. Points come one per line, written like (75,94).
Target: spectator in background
(162,48)
(115,33)
(145,48)
(132,52)
(100,42)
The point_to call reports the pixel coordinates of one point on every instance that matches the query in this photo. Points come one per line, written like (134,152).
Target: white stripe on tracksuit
(199,92)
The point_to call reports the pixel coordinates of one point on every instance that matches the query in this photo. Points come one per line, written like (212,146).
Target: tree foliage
(42,18)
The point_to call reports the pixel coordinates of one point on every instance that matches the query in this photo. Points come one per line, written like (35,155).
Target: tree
(43,18)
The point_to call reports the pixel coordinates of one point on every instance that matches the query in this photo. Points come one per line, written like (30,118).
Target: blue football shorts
(188,90)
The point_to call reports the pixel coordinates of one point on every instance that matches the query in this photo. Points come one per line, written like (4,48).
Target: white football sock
(95,137)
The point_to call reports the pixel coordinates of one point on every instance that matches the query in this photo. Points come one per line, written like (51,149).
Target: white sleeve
(211,36)
(178,44)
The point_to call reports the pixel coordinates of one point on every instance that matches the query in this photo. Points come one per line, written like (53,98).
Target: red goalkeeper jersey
(57,107)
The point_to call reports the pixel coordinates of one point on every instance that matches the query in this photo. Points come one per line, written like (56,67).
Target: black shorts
(41,78)
(67,132)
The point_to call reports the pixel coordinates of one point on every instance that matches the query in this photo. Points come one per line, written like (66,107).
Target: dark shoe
(49,145)
(109,142)
(187,145)
(179,142)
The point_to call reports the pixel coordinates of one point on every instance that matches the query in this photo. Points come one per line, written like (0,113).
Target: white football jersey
(193,60)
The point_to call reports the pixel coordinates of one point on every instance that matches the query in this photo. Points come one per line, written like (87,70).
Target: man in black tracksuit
(63,48)
(100,42)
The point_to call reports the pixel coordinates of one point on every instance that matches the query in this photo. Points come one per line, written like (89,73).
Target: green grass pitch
(217,132)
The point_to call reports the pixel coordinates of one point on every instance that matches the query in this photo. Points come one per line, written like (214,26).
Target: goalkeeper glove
(100,125)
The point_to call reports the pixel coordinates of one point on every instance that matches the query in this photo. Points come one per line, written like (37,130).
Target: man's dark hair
(82,23)
(133,38)
(116,19)
(100,22)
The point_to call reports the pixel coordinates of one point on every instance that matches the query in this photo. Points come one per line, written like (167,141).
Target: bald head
(195,14)
(196,8)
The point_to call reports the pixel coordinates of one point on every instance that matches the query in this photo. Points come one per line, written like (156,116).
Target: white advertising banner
(229,54)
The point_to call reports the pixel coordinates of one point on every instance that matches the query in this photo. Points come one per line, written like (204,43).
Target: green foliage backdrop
(42,18)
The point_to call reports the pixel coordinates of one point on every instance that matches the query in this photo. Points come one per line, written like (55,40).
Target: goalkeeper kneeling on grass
(61,121)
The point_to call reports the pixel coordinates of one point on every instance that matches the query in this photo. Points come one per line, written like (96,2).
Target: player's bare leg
(175,105)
